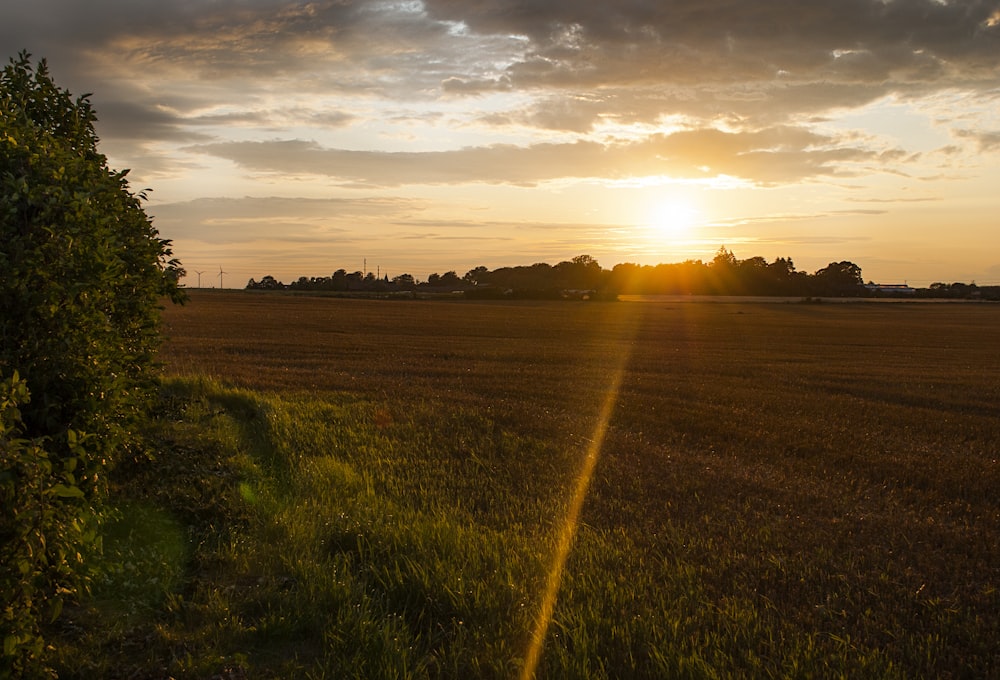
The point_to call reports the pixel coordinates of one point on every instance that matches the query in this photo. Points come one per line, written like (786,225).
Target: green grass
(783,491)
(313,549)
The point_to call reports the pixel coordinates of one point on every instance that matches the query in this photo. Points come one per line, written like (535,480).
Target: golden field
(778,489)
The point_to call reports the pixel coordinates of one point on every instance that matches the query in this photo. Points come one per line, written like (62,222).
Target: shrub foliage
(43,537)
(82,273)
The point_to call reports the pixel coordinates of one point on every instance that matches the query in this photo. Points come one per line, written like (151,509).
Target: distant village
(583,278)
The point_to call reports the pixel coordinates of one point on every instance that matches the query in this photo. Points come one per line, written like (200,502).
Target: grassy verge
(305,538)
(329,537)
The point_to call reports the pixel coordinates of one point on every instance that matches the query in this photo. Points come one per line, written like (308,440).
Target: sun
(672,220)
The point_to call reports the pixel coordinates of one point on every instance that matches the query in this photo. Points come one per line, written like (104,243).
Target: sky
(297,138)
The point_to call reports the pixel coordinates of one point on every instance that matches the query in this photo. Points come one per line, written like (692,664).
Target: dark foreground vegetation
(351,488)
(83,273)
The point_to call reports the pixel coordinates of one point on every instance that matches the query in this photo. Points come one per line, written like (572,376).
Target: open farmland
(772,489)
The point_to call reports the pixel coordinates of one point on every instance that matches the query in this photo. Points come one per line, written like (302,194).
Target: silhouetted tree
(751,276)
(838,278)
(625,278)
(581,273)
(478,276)
(404,282)
(725,274)
(338,280)
(723,269)
(354,281)
(450,280)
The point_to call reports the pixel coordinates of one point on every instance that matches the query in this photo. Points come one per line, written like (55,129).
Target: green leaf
(56,609)
(64,491)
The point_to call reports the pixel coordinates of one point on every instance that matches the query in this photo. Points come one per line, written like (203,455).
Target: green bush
(82,274)
(40,528)
(82,268)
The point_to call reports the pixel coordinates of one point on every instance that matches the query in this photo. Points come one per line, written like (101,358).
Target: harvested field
(823,476)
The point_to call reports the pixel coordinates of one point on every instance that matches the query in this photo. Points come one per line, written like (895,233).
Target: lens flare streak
(568,529)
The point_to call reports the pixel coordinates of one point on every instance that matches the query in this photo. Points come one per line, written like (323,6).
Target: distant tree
(626,277)
(839,279)
(353,281)
(684,278)
(755,264)
(751,276)
(781,269)
(404,282)
(581,273)
(82,273)
(478,276)
(724,258)
(450,280)
(537,278)
(961,290)
(783,279)
(723,273)
(339,280)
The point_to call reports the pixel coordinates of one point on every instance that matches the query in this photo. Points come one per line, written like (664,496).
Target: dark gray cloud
(752,36)
(470,45)
(741,59)
(226,53)
(182,70)
(136,119)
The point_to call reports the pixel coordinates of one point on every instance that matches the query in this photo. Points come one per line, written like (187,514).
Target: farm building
(891,288)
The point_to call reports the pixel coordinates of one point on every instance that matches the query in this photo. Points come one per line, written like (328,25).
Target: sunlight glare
(672,221)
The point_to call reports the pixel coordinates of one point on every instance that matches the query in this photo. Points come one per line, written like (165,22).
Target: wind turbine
(220,275)
(199,277)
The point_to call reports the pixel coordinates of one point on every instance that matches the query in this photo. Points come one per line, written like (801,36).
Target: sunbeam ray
(570,524)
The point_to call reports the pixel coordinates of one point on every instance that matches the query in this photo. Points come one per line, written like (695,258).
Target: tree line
(583,277)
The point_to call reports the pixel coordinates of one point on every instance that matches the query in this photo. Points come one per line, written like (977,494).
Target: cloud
(987,140)
(470,86)
(770,59)
(780,154)
(220,220)
(161,70)
(138,120)
(752,37)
